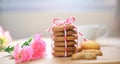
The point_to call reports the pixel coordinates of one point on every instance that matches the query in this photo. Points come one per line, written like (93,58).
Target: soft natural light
(59,31)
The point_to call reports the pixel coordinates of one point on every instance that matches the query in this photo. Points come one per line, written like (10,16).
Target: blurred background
(24,18)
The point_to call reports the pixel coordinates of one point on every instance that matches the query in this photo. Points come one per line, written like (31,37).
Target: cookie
(90,45)
(62,54)
(69,43)
(62,38)
(79,49)
(61,33)
(62,49)
(83,55)
(61,28)
(97,52)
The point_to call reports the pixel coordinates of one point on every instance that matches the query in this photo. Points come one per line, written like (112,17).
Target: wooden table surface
(111,55)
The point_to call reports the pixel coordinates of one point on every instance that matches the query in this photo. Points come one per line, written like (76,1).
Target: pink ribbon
(59,22)
(84,38)
(67,21)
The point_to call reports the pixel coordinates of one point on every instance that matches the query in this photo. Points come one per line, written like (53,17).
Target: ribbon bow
(59,22)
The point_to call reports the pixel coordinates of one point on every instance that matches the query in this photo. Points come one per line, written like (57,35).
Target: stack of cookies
(64,46)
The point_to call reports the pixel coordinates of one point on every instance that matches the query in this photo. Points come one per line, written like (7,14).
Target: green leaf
(27,43)
(1,42)
(9,49)
(30,39)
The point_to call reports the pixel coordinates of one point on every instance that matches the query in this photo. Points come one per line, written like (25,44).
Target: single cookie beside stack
(64,46)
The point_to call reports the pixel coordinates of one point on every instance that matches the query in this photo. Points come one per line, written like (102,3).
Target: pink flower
(39,47)
(8,36)
(5,36)
(36,50)
(1,30)
(22,54)
(16,52)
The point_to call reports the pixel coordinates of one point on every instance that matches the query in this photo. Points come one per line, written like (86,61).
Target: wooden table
(111,55)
